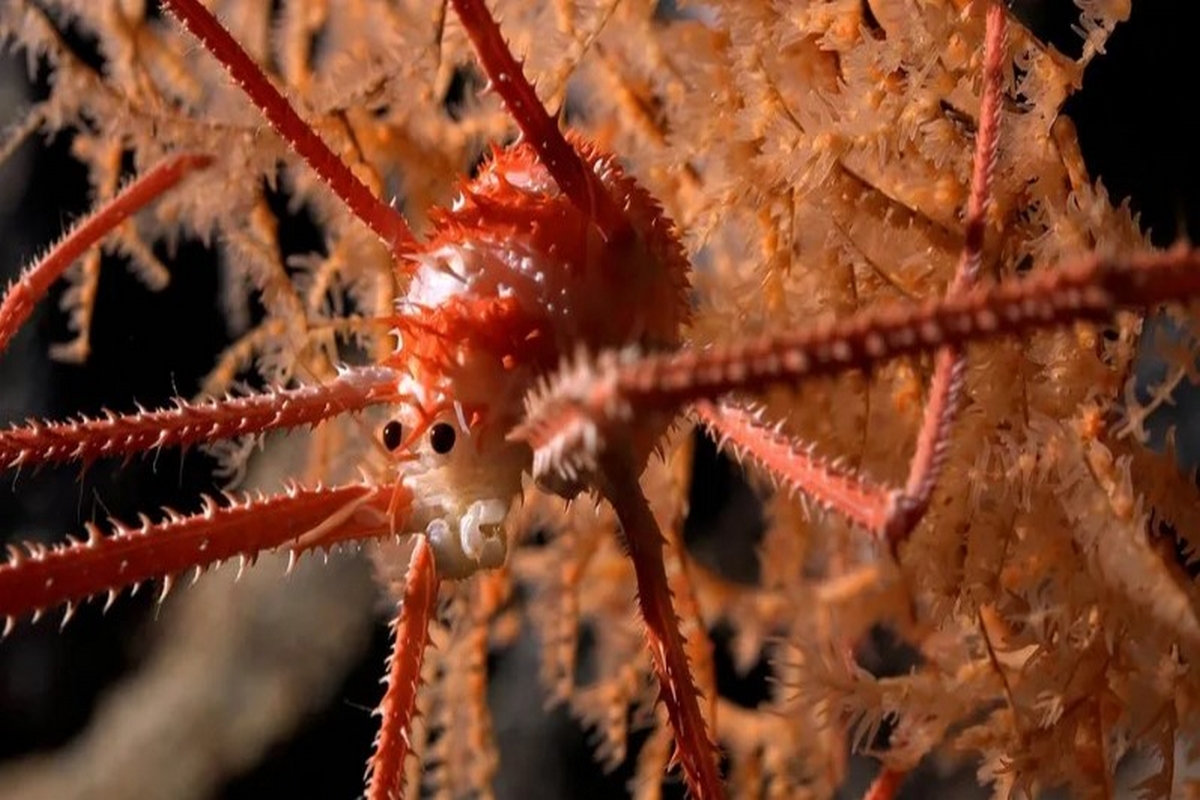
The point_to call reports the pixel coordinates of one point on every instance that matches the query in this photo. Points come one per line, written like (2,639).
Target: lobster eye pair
(441,436)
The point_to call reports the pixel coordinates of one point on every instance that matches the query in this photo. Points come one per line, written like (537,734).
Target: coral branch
(39,577)
(410,631)
(387,223)
(34,282)
(572,416)
(694,749)
(125,435)
(538,128)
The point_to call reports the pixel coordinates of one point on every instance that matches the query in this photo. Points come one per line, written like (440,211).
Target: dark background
(1139,125)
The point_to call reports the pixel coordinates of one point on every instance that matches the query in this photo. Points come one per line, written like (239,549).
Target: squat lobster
(551,250)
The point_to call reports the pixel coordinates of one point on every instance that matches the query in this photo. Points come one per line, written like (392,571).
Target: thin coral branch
(387,223)
(579,183)
(37,577)
(694,749)
(17,134)
(410,631)
(125,435)
(34,282)
(572,416)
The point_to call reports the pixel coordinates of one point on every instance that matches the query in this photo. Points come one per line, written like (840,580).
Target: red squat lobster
(551,254)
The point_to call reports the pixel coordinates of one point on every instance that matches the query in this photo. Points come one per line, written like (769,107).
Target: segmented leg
(693,748)
(794,467)
(888,514)
(410,633)
(37,578)
(507,78)
(40,578)
(34,282)
(188,423)
(571,419)
(387,223)
(941,407)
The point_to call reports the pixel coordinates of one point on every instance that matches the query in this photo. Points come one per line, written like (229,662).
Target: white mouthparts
(481,531)
(479,544)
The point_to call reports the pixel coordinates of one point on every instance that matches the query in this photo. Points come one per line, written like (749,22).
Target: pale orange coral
(817,158)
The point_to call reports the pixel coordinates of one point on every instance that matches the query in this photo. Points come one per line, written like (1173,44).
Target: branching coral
(816,156)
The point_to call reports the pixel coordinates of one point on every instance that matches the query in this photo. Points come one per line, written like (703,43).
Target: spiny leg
(35,282)
(794,466)
(644,541)
(410,633)
(945,391)
(387,223)
(384,220)
(188,423)
(888,514)
(176,661)
(38,578)
(677,690)
(507,78)
(571,418)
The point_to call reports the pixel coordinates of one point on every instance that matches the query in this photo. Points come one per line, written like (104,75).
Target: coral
(816,157)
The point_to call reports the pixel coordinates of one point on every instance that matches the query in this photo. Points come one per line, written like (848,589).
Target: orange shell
(515,278)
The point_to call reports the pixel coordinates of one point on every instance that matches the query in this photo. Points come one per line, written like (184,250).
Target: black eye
(441,438)
(393,435)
